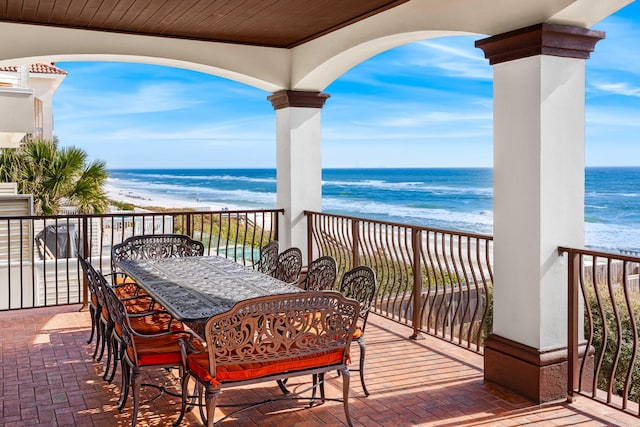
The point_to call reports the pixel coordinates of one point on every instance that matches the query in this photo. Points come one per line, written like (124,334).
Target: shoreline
(610,220)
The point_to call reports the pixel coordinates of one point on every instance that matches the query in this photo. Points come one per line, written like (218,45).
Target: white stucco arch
(264,68)
(333,67)
(316,64)
(269,69)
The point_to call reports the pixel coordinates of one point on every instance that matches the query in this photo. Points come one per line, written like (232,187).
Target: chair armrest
(163,334)
(185,348)
(149,313)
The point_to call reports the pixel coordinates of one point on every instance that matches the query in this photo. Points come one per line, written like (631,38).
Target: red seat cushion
(357,333)
(139,305)
(152,324)
(199,365)
(127,287)
(160,350)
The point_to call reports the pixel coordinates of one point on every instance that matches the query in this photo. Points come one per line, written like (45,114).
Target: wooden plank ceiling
(276,23)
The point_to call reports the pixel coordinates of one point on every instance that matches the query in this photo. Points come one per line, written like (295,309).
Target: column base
(538,375)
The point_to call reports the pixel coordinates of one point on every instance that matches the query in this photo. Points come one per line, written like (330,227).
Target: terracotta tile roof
(38,68)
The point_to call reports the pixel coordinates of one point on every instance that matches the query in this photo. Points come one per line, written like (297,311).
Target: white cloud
(446,58)
(622,88)
(147,98)
(454,57)
(438,118)
(349,132)
(449,47)
(460,69)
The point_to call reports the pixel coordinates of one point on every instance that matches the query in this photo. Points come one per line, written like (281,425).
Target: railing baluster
(9,263)
(634,336)
(616,316)
(417,283)
(21,240)
(87,255)
(464,283)
(33,257)
(355,239)
(572,324)
(310,234)
(589,318)
(189,230)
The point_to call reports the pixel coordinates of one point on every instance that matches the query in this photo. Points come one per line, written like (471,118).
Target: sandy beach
(144,200)
(148,199)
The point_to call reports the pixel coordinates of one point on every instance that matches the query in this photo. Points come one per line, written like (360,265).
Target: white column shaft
(299,164)
(538,194)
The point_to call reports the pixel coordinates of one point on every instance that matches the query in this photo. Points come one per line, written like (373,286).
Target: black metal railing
(603,310)
(449,272)
(39,255)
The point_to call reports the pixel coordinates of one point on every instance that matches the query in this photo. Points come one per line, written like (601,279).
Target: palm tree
(55,176)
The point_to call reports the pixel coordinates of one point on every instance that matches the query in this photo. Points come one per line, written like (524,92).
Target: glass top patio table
(193,289)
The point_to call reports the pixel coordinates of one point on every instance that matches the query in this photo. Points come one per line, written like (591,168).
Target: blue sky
(426,104)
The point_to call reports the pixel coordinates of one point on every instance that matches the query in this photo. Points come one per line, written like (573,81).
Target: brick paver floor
(48,378)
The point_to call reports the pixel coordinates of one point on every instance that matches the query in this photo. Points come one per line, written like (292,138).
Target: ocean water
(459,199)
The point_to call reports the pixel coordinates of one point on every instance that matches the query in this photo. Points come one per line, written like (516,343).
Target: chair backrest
(321,274)
(281,327)
(359,284)
(150,246)
(119,317)
(289,265)
(94,279)
(268,258)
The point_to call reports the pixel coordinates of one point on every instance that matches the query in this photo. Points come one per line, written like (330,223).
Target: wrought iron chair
(282,336)
(143,351)
(103,323)
(96,303)
(268,258)
(146,317)
(150,246)
(321,274)
(144,323)
(359,284)
(289,265)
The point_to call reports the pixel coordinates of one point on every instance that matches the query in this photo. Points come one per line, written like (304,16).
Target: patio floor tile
(48,377)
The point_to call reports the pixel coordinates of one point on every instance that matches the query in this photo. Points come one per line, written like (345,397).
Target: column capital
(540,39)
(297,98)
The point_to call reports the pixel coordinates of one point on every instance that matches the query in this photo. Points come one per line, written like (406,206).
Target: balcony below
(49,378)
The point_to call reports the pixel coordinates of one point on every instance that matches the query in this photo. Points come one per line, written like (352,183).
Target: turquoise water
(458,199)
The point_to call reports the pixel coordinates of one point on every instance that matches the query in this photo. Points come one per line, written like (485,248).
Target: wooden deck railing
(38,255)
(603,336)
(449,272)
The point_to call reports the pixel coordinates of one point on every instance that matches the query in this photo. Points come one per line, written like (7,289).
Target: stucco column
(298,160)
(539,84)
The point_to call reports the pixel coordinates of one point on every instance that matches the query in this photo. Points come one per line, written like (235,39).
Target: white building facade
(26,107)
